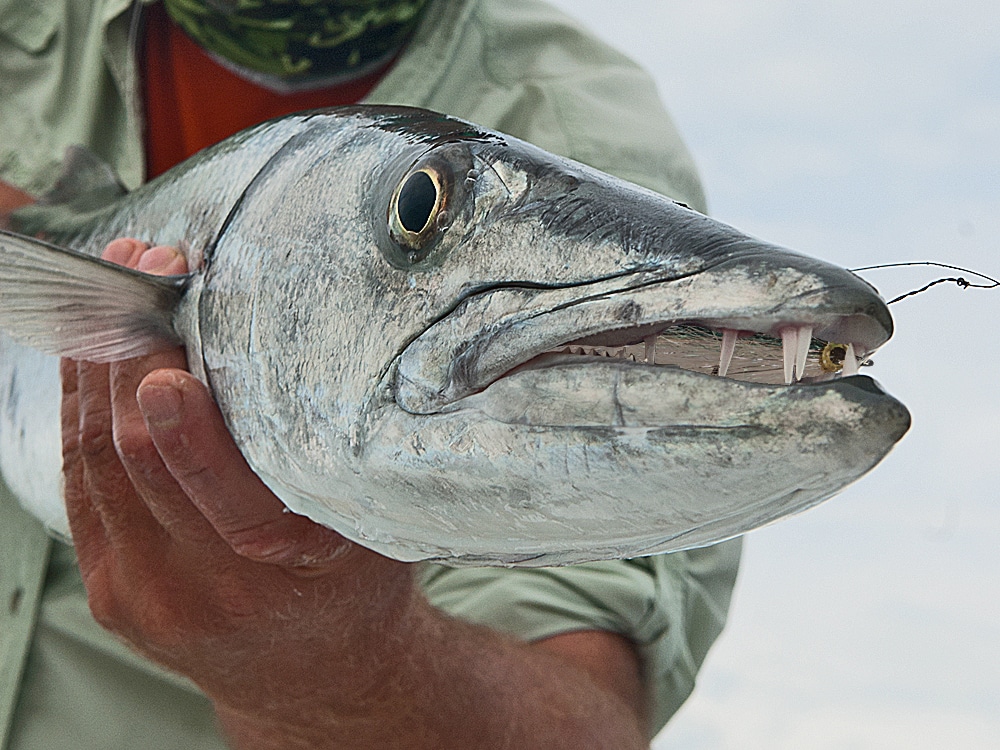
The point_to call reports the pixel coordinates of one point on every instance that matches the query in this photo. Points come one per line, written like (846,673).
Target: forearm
(455,686)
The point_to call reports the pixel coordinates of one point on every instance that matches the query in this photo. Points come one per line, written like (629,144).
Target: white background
(860,132)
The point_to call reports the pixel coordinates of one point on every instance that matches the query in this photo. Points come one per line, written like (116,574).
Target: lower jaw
(594,392)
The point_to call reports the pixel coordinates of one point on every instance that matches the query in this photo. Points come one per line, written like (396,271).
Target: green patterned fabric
(299,43)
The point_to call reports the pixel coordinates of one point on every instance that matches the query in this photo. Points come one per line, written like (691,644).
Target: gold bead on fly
(831,359)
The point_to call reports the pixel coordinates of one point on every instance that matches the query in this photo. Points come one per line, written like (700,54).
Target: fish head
(462,348)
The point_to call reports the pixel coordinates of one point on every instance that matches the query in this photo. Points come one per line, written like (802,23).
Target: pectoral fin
(74,305)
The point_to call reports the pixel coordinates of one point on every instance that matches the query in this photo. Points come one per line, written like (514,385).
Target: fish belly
(30,455)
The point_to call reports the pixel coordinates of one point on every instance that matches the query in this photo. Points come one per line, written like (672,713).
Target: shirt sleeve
(672,607)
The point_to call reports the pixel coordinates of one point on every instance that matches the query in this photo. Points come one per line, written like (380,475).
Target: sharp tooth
(789,346)
(805,338)
(728,347)
(650,342)
(850,362)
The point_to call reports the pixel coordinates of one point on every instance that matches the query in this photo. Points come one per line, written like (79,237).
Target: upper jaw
(499,331)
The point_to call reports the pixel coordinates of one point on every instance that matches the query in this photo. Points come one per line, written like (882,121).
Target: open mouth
(794,356)
(730,325)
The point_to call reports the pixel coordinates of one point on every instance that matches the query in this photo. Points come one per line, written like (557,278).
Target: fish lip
(494,333)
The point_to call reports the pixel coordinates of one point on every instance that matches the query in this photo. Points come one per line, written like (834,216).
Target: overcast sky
(858,132)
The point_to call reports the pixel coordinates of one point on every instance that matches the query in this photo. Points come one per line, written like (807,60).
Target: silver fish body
(447,344)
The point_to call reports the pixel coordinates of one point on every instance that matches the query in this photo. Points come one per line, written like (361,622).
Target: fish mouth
(769,327)
(793,356)
(639,413)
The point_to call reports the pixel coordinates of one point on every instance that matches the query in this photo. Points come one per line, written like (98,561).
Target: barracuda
(447,344)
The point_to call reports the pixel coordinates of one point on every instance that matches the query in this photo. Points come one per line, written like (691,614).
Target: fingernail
(160,406)
(162,260)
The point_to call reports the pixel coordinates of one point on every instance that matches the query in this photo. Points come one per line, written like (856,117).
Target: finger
(84,521)
(191,436)
(106,479)
(124,517)
(163,496)
(124,251)
(153,483)
(162,260)
(94,550)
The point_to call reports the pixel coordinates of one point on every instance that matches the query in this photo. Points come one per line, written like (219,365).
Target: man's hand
(183,550)
(300,637)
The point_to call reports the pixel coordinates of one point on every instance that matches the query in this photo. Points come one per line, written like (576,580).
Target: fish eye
(416,212)
(416,202)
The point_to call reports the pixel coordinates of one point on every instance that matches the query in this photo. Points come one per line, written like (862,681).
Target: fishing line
(960,281)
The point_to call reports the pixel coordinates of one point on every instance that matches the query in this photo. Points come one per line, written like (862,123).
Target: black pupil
(416,201)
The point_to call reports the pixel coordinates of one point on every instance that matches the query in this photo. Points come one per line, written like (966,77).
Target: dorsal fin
(70,304)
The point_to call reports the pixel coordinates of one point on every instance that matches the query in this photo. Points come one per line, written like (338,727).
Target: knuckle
(94,442)
(265,542)
(124,251)
(73,488)
(136,609)
(70,446)
(67,376)
(252,542)
(101,598)
(104,610)
(289,541)
(193,471)
(157,626)
(135,446)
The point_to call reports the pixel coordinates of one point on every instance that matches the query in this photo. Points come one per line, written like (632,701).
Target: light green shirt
(67,77)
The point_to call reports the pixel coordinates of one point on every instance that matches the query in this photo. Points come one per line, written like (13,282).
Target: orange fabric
(12,198)
(193,102)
